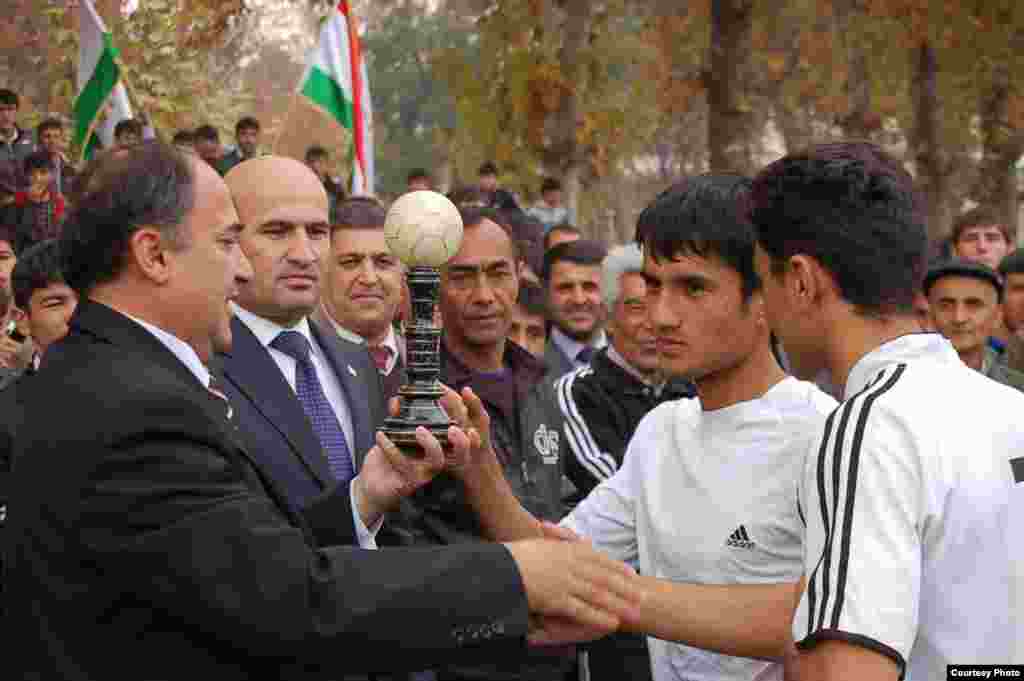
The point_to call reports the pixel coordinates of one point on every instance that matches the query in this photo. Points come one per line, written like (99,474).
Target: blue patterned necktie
(314,403)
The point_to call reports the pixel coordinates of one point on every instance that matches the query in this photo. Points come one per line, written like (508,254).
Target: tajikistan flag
(99,83)
(336,83)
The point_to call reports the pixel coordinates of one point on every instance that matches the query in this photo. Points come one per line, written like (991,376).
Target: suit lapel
(255,373)
(353,385)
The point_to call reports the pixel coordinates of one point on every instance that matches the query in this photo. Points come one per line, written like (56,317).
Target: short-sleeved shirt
(708,497)
(913,496)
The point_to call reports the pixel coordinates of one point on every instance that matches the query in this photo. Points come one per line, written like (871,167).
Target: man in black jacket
(145,542)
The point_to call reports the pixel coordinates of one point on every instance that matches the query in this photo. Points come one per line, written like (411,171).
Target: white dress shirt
(184,352)
(390,342)
(571,347)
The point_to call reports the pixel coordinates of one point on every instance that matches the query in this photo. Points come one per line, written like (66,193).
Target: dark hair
(472,215)
(246,123)
(978,217)
(8,98)
(183,137)
(853,208)
(564,228)
(360,212)
(531,298)
(38,266)
(128,126)
(314,152)
(48,124)
(958,267)
(703,215)
(151,184)
(550,184)
(206,133)
(37,160)
(1013,263)
(487,168)
(417,174)
(581,252)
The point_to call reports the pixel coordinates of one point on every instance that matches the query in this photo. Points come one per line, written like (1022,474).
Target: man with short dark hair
(37,212)
(1012,271)
(549,210)
(363,288)
(572,277)
(418,180)
(918,474)
(964,302)
(15,144)
(247,138)
(978,235)
(162,548)
(560,234)
(206,140)
(494,196)
(50,134)
(128,133)
(528,327)
(318,159)
(40,292)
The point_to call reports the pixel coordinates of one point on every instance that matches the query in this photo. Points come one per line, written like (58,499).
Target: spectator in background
(363,288)
(206,140)
(494,196)
(50,134)
(38,211)
(15,349)
(418,180)
(529,236)
(15,143)
(572,278)
(964,298)
(45,300)
(128,133)
(184,140)
(979,236)
(529,326)
(549,210)
(1012,271)
(8,189)
(318,159)
(560,234)
(247,137)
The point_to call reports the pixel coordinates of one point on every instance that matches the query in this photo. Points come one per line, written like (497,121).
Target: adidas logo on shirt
(740,539)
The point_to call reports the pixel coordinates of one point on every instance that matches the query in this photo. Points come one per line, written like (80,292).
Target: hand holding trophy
(423,229)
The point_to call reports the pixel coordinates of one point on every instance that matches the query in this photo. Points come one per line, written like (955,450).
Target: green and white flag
(336,83)
(99,83)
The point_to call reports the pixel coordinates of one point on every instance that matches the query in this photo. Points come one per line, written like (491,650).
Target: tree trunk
(932,161)
(857,122)
(1002,146)
(730,115)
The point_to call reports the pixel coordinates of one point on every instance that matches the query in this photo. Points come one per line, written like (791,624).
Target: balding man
(308,402)
(146,542)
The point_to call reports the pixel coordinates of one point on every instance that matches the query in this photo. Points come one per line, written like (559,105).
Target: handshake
(573,592)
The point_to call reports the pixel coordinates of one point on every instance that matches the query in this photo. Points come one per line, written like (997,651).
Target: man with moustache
(147,543)
(572,276)
(363,288)
(704,498)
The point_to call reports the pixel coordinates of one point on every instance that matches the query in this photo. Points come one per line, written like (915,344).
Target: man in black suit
(283,208)
(146,542)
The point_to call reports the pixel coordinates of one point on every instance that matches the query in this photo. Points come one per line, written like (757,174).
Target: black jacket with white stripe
(601,406)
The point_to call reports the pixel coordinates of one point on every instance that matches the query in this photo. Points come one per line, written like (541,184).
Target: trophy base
(403,435)
(418,406)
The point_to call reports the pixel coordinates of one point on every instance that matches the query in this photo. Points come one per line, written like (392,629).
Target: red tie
(381,355)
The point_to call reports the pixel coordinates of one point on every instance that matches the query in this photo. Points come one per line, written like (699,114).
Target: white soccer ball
(423,229)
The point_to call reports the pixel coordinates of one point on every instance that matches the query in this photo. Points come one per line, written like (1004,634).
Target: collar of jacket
(526,369)
(618,380)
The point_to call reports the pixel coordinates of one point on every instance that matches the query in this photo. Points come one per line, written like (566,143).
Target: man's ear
(807,281)
(147,251)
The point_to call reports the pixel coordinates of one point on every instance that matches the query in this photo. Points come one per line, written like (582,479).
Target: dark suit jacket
(146,543)
(273,425)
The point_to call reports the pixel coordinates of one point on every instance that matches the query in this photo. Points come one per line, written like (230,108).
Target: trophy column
(419,403)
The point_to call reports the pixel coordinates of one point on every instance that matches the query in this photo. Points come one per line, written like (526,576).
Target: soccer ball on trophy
(423,229)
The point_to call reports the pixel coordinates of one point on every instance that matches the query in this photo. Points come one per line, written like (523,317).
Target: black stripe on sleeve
(857,640)
(1017,466)
(811,583)
(851,490)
